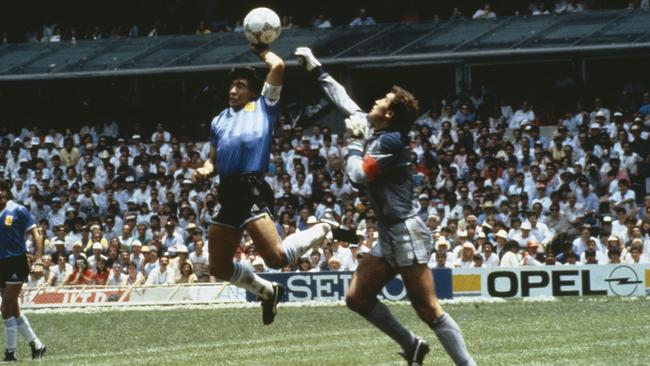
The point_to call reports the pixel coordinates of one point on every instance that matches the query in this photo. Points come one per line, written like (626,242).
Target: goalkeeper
(380,163)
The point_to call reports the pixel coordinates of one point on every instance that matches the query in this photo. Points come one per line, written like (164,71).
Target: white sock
(11,333)
(26,331)
(244,277)
(297,244)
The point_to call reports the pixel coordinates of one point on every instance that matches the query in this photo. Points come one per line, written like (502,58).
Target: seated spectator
(81,274)
(363,19)
(541,9)
(116,278)
(322,22)
(186,274)
(101,273)
(60,272)
(161,275)
(202,28)
(485,13)
(134,277)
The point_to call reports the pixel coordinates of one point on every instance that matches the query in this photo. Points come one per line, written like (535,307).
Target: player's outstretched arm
(272,61)
(37,234)
(208,170)
(335,91)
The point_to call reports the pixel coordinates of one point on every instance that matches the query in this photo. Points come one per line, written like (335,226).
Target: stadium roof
(384,44)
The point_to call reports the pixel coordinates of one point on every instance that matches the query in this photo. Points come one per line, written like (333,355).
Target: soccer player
(240,139)
(15,222)
(381,165)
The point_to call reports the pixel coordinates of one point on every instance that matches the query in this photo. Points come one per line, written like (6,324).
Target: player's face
(239,94)
(379,114)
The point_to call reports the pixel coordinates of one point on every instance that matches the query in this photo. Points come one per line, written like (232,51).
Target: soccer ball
(262,25)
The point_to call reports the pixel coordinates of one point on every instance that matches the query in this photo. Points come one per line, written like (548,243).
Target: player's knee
(275,260)
(220,271)
(357,303)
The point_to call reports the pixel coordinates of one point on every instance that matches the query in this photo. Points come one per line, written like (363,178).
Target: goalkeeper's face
(380,115)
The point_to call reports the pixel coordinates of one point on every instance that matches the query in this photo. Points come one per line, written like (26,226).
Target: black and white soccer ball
(262,25)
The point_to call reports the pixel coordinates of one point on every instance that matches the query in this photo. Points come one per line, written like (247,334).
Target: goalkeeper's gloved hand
(357,127)
(306,58)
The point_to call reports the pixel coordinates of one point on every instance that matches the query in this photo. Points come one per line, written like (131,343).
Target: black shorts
(243,198)
(13,270)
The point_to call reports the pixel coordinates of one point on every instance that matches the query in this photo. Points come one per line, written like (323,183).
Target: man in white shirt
(623,197)
(524,236)
(60,272)
(161,275)
(581,243)
(523,114)
(199,259)
(485,13)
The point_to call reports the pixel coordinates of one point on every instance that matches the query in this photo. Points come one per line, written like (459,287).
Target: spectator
(322,22)
(363,19)
(202,28)
(100,275)
(134,277)
(485,13)
(522,116)
(60,273)
(81,274)
(116,278)
(161,275)
(541,9)
(186,274)
(456,14)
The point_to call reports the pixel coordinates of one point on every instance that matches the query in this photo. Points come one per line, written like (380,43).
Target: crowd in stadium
(53,32)
(493,188)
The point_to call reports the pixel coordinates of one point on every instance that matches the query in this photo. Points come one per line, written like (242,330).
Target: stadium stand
(435,41)
(484,173)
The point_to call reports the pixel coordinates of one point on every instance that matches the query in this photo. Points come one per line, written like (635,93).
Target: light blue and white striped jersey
(243,138)
(15,220)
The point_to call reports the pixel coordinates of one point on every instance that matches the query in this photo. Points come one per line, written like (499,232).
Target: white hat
(312,220)
(481,235)
(77,244)
(136,242)
(441,241)
(607,219)
(594,126)
(526,226)
(35,141)
(59,242)
(104,155)
(181,248)
(130,179)
(423,196)
(502,234)
(258,261)
(97,245)
(364,249)
(461,233)
(617,114)
(600,114)
(49,140)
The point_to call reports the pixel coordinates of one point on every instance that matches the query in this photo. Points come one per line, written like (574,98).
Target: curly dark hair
(248,73)
(405,109)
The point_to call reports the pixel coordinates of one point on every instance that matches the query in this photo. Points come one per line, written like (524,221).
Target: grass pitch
(587,331)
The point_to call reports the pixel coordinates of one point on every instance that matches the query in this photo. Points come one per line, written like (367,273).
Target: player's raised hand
(306,58)
(259,48)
